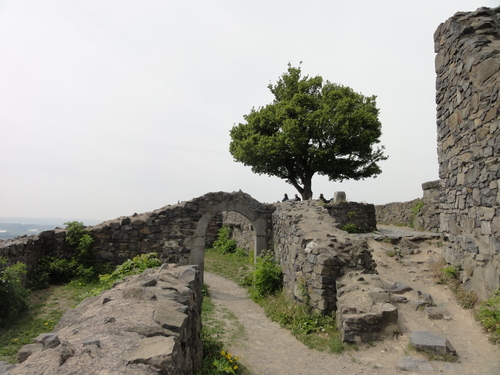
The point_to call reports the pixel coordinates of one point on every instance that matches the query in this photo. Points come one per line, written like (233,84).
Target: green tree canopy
(310,127)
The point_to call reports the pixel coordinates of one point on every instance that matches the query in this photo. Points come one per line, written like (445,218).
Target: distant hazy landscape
(11,227)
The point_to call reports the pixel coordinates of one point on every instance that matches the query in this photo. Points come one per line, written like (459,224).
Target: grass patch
(40,318)
(233,266)
(314,330)
(488,315)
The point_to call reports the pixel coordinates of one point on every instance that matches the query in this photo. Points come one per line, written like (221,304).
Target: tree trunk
(307,192)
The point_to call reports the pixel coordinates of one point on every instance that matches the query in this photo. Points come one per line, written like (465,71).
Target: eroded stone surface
(364,313)
(131,333)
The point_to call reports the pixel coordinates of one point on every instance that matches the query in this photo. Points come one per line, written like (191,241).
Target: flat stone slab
(398,288)
(431,343)
(408,363)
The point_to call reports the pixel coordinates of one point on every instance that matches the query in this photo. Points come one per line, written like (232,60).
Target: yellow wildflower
(235,368)
(223,352)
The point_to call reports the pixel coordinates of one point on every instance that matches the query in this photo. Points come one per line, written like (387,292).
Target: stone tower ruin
(468,125)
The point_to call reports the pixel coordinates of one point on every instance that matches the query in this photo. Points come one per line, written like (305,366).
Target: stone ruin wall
(171,232)
(241,230)
(468,126)
(402,213)
(314,253)
(166,231)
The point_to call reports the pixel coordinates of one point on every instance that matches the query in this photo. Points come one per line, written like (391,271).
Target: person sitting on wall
(285,198)
(297,198)
(322,199)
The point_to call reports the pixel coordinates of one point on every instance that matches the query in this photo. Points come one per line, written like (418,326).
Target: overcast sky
(108,108)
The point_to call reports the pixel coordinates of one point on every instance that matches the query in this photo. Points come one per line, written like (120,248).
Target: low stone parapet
(146,324)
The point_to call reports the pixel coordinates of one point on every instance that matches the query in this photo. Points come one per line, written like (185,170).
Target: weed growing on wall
(314,330)
(414,212)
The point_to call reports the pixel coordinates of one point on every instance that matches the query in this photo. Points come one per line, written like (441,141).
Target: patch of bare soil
(266,348)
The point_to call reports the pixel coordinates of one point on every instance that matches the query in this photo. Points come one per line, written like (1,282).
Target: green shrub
(449,274)
(82,265)
(224,244)
(13,294)
(266,279)
(317,331)
(489,316)
(78,237)
(351,228)
(133,266)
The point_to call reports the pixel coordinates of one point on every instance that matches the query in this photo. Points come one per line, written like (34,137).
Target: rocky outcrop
(146,324)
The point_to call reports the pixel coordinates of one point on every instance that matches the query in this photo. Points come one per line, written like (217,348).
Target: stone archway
(209,205)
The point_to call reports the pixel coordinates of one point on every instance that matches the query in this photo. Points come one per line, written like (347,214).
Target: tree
(310,127)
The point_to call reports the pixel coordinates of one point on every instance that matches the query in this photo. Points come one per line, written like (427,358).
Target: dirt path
(267,349)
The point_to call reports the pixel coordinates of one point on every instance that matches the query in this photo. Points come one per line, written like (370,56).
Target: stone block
(48,340)
(153,351)
(431,343)
(486,69)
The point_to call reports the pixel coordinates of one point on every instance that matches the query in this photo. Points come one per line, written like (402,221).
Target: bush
(82,265)
(266,279)
(13,294)
(78,237)
(224,244)
(132,267)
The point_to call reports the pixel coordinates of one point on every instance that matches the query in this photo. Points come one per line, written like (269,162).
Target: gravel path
(267,349)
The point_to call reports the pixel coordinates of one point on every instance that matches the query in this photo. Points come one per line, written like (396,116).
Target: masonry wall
(173,232)
(467,85)
(167,231)
(313,253)
(405,213)
(241,230)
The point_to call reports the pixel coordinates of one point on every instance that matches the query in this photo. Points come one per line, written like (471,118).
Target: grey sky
(113,107)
